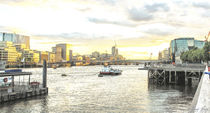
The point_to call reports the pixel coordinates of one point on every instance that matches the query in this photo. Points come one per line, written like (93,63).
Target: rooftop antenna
(115,43)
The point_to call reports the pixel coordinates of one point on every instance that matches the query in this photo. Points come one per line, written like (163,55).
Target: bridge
(111,62)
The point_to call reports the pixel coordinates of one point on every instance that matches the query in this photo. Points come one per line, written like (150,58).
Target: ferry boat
(107,70)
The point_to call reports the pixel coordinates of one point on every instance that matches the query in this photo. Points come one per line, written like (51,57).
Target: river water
(83,91)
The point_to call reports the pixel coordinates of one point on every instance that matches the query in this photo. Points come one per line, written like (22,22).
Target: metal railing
(19,87)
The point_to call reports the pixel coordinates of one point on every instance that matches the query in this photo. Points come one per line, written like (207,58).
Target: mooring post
(44,74)
(13,83)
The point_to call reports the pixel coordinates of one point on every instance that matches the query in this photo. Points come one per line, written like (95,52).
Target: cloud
(12,1)
(158,29)
(139,15)
(105,21)
(65,35)
(204,5)
(84,9)
(157,7)
(111,2)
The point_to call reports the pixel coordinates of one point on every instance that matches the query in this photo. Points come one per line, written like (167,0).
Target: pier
(170,74)
(15,90)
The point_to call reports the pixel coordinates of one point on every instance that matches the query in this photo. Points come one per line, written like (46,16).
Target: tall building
(58,54)
(15,38)
(179,45)
(65,51)
(114,51)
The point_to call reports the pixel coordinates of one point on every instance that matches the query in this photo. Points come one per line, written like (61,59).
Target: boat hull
(101,74)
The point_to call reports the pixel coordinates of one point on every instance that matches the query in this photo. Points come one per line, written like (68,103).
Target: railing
(20,87)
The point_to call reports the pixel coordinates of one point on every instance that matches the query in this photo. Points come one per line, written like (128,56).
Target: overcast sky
(139,27)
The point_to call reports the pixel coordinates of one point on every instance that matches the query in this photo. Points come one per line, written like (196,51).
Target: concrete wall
(201,100)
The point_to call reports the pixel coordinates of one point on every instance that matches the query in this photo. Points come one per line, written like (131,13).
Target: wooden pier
(169,74)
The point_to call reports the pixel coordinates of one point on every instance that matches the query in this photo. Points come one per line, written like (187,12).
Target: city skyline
(139,28)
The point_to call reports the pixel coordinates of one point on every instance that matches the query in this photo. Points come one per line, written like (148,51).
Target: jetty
(174,74)
(15,90)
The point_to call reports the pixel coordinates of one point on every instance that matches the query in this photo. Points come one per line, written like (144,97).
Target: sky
(139,27)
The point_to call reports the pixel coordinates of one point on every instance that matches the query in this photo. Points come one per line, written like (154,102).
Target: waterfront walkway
(201,100)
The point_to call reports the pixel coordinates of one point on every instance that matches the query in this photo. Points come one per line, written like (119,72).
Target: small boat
(63,75)
(54,66)
(107,70)
(143,68)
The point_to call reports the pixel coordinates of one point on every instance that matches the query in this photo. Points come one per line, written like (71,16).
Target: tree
(194,55)
(206,50)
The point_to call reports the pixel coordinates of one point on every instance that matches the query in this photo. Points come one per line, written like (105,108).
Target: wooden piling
(44,74)
(178,75)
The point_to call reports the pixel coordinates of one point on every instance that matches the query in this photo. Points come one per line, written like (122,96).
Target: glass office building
(15,38)
(179,45)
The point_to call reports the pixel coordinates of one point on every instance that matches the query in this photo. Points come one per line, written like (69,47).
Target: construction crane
(207,37)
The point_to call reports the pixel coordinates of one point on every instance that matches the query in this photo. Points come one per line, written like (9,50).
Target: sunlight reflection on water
(83,91)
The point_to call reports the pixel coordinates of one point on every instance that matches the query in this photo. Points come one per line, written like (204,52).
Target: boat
(143,68)
(107,70)
(54,66)
(63,75)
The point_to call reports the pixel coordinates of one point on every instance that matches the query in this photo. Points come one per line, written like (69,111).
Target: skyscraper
(65,51)
(114,51)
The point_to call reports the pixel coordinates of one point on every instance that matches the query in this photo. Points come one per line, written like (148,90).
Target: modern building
(8,52)
(179,45)
(15,38)
(58,54)
(114,51)
(20,47)
(164,55)
(65,51)
(30,56)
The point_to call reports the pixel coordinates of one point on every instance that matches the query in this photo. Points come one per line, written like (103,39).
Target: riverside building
(179,45)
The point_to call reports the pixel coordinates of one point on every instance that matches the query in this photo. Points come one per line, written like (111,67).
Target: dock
(170,74)
(15,90)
